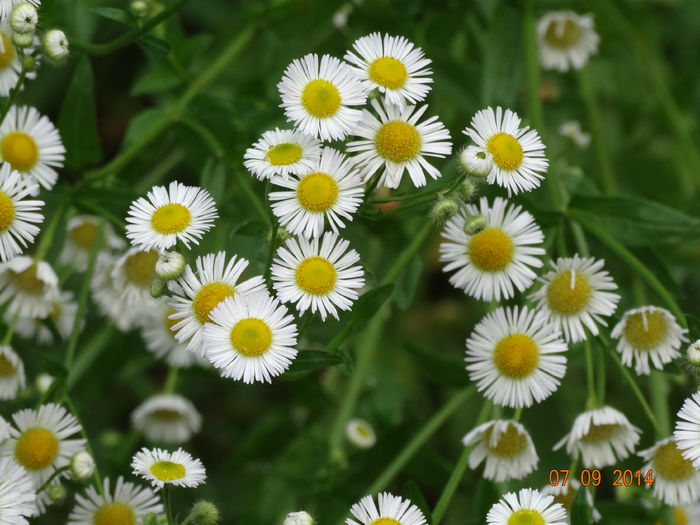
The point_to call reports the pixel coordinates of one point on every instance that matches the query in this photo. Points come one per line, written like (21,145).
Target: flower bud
(56,493)
(22,39)
(139,8)
(693,353)
(29,63)
(150,519)
(170,265)
(443,210)
(360,433)
(467,190)
(475,161)
(299,518)
(55,45)
(474,224)
(203,513)
(43,382)
(82,465)
(158,288)
(24,18)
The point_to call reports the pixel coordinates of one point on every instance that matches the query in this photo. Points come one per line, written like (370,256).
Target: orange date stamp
(594,477)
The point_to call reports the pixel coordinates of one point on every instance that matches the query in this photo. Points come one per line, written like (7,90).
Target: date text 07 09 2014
(594,477)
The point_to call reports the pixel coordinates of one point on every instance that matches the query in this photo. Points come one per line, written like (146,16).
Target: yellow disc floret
(385,521)
(7,211)
(251,337)
(208,297)
(388,72)
(317,192)
(491,250)
(398,141)
(569,293)
(283,154)
(645,330)
(140,267)
(6,368)
(7,53)
(600,433)
(526,517)
(20,150)
(114,514)
(167,470)
(567,498)
(83,234)
(321,98)
(510,443)
(166,415)
(516,356)
(316,276)
(670,464)
(171,218)
(562,35)
(36,448)
(506,151)
(27,280)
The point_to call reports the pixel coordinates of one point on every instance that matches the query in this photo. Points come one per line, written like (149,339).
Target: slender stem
(407,254)
(205,135)
(167,504)
(50,230)
(7,339)
(271,254)
(304,323)
(13,95)
(659,400)
(53,476)
(130,36)
(96,478)
(517,414)
(419,439)
(590,378)
(532,67)
(600,376)
(171,380)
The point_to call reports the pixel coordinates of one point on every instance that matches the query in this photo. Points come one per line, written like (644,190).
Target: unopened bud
(43,382)
(82,465)
(170,265)
(443,210)
(203,513)
(56,493)
(474,224)
(299,518)
(693,353)
(139,8)
(475,161)
(22,39)
(150,519)
(158,287)
(55,45)
(23,18)
(360,433)
(467,190)
(29,63)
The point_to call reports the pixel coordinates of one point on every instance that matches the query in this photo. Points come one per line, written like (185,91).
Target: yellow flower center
(36,448)
(171,218)
(27,281)
(562,35)
(388,72)
(516,356)
(114,514)
(283,154)
(363,431)
(645,330)
(321,98)
(166,415)
(670,464)
(680,516)
(140,267)
(316,276)
(7,211)
(251,337)
(6,368)
(506,151)
(526,517)
(510,443)
(7,54)
(567,498)
(20,150)
(491,250)
(398,141)
(317,192)
(208,297)
(83,234)
(385,521)
(168,471)
(600,433)
(170,323)
(568,295)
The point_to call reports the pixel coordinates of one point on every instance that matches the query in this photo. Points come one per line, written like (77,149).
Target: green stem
(600,376)
(634,263)
(304,323)
(13,95)
(517,414)
(50,230)
(271,254)
(659,400)
(171,380)
(607,175)
(53,476)
(7,339)
(204,134)
(407,254)
(130,36)
(96,478)
(419,439)
(167,504)
(592,402)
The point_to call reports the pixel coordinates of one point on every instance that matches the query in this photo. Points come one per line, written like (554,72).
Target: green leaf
(113,13)
(407,283)
(441,369)
(314,360)
(580,510)
(142,123)
(368,304)
(155,45)
(214,179)
(77,120)
(157,79)
(485,495)
(503,61)
(412,492)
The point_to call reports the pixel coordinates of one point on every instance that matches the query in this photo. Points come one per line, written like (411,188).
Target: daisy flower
(319,97)
(676,481)
(576,295)
(160,467)
(687,432)
(566,40)
(17,494)
(527,506)
(129,504)
(395,142)
(62,315)
(512,357)
(41,441)
(601,437)
(393,65)
(648,333)
(167,418)
(157,331)
(12,376)
(19,216)
(517,154)
(360,433)
(282,152)
(10,64)
(250,338)
(133,274)
(31,144)
(81,232)
(564,494)
(299,518)
(319,274)
(494,263)
(167,215)
(389,509)
(111,300)
(475,161)
(507,448)
(199,291)
(331,192)
(30,286)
